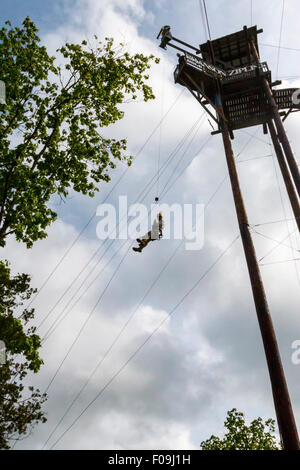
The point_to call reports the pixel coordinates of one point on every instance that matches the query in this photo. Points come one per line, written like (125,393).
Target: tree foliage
(53,140)
(52,123)
(18,338)
(258,435)
(20,407)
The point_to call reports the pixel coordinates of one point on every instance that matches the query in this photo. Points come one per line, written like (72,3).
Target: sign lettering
(217,72)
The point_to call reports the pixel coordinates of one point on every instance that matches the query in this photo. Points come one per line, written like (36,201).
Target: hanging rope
(141,197)
(206,17)
(203,22)
(103,201)
(160,132)
(279,45)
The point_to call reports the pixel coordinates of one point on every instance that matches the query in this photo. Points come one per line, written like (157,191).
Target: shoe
(137,249)
(138,240)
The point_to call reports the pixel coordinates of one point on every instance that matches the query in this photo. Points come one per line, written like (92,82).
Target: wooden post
(285,173)
(280,127)
(283,407)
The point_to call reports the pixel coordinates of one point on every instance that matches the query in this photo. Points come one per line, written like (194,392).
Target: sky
(185,356)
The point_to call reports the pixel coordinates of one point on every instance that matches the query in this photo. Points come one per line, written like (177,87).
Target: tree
(52,123)
(20,408)
(14,291)
(258,435)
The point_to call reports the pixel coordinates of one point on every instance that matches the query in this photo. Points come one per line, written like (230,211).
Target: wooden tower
(235,88)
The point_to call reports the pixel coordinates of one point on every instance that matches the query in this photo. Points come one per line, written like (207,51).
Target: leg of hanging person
(146,237)
(145,240)
(154,235)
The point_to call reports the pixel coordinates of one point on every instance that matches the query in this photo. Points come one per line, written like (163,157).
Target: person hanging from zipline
(154,234)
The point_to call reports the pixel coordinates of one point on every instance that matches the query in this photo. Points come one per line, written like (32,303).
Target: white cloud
(208,356)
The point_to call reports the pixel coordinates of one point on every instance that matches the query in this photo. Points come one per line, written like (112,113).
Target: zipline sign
(246,71)
(216,72)
(199,64)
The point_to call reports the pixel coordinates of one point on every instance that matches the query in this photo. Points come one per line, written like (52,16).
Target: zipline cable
(280,262)
(130,317)
(117,373)
(276,241)
(254,136)
(138,199)
(85,323)
(66,312)
(284,212)
(180,159)
(280,47)
(274,222)
(209,34)
(63,314)
(248,142)
(88,318)
(105,199)
(255,158)
(274,247)
(226,176)
(185,167)
(98,365)
(148,338)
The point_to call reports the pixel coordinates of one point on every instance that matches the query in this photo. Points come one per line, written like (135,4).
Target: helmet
(159,214)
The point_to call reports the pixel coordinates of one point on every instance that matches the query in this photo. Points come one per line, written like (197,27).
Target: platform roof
(233,50)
